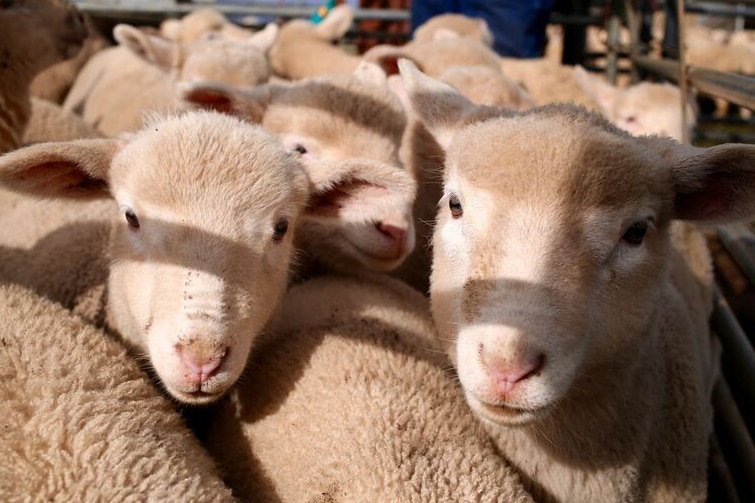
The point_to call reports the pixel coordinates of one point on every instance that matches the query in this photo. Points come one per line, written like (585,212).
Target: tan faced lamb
(349,399)
(644,108)
(80,422)
(35,34)
(452,24)
(305,49)
(119,85)
(201,239)
(347,131)
(572,302)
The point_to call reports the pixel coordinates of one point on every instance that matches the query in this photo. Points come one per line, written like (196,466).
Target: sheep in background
(484,85)
(547,81)
(80,422)
(452,24)
(305,49)
(641,109)
(49,122)
(36,34)
(349,399)
(139,75)
(200,247)
(347,131)
(572,303)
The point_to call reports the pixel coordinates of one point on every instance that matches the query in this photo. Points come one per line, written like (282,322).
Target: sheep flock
(243,265)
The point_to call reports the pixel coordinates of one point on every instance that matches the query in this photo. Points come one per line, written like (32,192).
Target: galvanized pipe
(732,87)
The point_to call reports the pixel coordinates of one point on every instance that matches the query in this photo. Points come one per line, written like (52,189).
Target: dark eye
(636,233)
(133,222)
(631,119)
(6,4)
(280,229)
(455,206)
(301,149)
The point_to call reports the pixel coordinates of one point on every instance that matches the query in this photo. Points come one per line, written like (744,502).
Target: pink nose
(200,368)
(396,233)
(506,374)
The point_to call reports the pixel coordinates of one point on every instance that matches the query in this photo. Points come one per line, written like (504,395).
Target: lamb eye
(280,229)
(133,222)
(6,4)
(636,233)
(301,149)
(631,119)
(455,206)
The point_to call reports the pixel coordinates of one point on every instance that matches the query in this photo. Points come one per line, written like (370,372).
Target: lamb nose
(394,232)
(506,375)
(200,367)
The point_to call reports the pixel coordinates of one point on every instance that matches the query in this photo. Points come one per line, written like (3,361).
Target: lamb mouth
(499,413)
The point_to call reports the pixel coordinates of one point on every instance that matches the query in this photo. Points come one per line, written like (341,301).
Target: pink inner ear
(330,202)
(58,179)
(713,203)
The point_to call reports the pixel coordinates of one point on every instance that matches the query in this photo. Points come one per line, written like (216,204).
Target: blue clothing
(518,27)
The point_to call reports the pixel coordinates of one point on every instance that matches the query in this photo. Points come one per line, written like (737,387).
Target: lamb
(348,399)
(453,24)
(642,109)
(80,422)
(572,303)
(347,131)
(200,247)
(484,85)
(49,122)
(139,75)
(29,44)
(305,49)
(546,81)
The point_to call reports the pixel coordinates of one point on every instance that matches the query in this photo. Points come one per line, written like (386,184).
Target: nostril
(394,232)
(505,374)
(199,365)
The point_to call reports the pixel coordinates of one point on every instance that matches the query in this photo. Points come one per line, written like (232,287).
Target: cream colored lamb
(349,399)
(35,34)
(644,108)
(305,49)
(200,241)
(50,122)
(80,422)
(120,85)
(452,24)
(547,81)
(347,131)
(572,302)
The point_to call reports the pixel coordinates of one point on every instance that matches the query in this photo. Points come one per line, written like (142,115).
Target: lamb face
(546,259)
(349,146)
(347,133)
(202,243)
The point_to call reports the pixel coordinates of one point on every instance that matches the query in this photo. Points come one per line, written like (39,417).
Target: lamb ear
(370,73)
(75,169)
(601,91)
(336,23)
(158,51)
(362,188)
(440,107)
(249,104)
(265,38)
(713,185)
